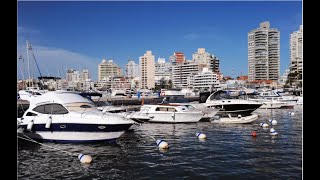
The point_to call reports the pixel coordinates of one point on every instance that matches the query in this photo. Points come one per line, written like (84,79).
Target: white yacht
(229,103)
(171,114)
(65,116)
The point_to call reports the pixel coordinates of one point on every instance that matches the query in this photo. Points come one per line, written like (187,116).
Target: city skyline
(80,34)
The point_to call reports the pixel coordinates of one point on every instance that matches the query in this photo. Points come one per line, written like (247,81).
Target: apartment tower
(264,53)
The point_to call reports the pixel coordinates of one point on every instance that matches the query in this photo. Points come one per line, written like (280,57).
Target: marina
(159,90)
(135,154)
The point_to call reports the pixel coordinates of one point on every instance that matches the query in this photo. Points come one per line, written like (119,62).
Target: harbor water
(229,152)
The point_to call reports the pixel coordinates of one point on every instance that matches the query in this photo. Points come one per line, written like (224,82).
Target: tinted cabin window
(31,114)
(165,109)
(85,106)
(51,109)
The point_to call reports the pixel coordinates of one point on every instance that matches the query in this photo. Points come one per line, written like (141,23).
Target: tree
(169,84)
(163,83)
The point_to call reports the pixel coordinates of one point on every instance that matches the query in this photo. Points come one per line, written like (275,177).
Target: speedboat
(64,116)
(229,102)
(171,114)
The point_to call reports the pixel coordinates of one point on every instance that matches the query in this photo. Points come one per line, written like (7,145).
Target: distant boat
(171,114)
(235,120)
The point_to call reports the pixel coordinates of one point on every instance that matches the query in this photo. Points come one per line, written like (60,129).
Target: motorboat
(230,102)
(289,100)
(270,104)
(235,120)
(66,116)
(180,100)
(171,114)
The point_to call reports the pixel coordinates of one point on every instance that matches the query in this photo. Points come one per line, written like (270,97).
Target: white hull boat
(64,116)
(170,114)
(235,120)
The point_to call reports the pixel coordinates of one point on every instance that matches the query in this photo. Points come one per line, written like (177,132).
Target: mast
(28,63)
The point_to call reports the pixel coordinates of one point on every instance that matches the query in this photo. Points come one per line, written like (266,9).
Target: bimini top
(61,97)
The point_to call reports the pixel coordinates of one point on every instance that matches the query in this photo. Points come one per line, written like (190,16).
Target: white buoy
(30,124)
(85,158)
(48,123)
(273,132)
(162,144)
(264,125)
(273,121)
(201,135)
(291,113)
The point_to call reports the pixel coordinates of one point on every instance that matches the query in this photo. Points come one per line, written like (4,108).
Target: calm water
(229,152)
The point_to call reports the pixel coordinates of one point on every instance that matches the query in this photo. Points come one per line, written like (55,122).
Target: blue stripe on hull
(80,141)
(65,127)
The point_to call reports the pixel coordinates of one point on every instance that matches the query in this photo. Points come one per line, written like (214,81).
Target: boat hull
(236,109)
(175,117)
(236,120)
(62,132)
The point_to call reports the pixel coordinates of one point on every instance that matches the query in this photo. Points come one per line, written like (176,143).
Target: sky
(76,35)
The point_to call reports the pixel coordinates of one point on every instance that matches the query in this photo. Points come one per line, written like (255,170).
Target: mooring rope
(31,140)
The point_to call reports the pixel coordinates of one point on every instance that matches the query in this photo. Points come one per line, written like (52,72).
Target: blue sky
(79,34)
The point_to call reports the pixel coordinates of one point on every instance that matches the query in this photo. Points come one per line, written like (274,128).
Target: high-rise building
(182,74)
(132,69)
(177,58)
(108,69)
(162,70)
(146,68)
(85,75)
(208,60)
(264,53)
(296,58)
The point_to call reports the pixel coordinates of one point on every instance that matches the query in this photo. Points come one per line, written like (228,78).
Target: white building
(132,69)
(296,54)
(283,79)
(264,53)
(181,74)
(85,75)
(162,70)
(206,80)
(146,68)
(201,57)
(108,69)
(205,58)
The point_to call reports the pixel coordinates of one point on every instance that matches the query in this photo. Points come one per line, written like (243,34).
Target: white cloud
(191,36)
(25,30)
(51,60)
